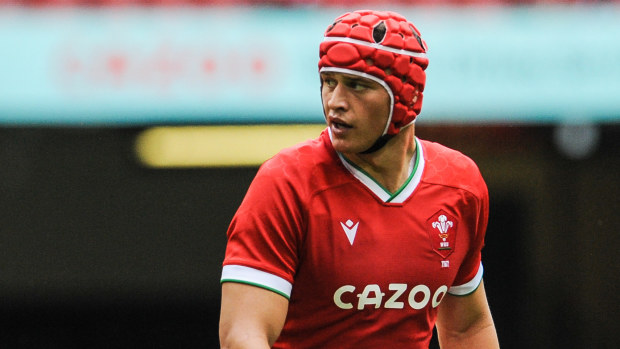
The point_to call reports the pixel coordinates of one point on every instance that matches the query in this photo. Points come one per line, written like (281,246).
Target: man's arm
(251,317)
(466,322)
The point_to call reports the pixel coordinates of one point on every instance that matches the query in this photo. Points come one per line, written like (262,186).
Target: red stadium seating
(327,3)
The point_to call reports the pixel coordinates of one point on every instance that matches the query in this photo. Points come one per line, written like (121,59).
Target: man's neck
(390,165)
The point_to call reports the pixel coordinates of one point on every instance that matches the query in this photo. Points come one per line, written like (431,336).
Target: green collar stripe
(364,177)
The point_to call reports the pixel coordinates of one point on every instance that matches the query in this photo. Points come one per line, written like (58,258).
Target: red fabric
(291,222)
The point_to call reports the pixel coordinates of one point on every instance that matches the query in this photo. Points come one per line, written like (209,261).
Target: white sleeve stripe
(469,287)
(247,275)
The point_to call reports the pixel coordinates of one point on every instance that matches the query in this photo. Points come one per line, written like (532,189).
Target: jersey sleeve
(470,273)
(265,233)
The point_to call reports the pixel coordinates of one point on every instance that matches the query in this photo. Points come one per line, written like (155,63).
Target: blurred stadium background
(124,125)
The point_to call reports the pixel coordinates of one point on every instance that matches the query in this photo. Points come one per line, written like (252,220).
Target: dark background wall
(97,251)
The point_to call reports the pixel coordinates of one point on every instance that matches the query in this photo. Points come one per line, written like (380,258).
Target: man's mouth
(341,125)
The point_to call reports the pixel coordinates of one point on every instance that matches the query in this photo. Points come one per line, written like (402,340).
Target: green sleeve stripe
(257,285)
(469,287)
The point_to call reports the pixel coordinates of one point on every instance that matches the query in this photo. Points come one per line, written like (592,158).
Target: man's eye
(358,86)
(329,82)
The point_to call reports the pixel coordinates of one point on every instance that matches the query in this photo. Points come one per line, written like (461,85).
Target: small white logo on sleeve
(350,229)
(445,264)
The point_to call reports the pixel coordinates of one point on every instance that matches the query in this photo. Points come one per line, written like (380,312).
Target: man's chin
(346,148)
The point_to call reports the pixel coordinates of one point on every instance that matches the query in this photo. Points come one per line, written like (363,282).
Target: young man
(365,237)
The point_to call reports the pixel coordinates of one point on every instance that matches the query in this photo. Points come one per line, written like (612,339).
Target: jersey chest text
(362,254)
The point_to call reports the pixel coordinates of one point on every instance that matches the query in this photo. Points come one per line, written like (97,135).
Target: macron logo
(350,229)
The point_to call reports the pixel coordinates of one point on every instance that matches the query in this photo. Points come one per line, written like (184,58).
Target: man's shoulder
(450,167)
(301,160)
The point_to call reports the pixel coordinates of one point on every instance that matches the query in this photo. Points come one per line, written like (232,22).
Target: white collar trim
(416,168)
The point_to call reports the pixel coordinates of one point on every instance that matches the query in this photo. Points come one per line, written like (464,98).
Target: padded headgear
(385,46)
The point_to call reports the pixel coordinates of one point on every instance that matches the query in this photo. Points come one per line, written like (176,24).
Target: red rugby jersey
(362,267)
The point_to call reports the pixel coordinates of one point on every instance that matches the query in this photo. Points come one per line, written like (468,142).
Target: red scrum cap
(384,47)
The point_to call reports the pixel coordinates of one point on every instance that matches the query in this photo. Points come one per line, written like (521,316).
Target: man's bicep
(458,312)
(466,319)
(250,315)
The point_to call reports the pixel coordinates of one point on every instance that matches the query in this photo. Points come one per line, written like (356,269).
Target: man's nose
(338,98)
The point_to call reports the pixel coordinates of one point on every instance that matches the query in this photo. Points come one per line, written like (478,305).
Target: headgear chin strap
(386,47)
(379,143)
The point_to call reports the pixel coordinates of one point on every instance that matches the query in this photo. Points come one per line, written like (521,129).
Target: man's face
(356,110)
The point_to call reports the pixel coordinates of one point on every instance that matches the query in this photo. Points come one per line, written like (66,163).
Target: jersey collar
(416,168)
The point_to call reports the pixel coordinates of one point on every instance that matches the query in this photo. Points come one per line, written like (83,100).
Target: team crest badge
(442,229)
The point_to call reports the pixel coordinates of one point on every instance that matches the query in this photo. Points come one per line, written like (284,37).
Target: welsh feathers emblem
(443,224)
(441,229)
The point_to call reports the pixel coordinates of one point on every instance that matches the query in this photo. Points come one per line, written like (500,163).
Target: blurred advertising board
(219,65)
